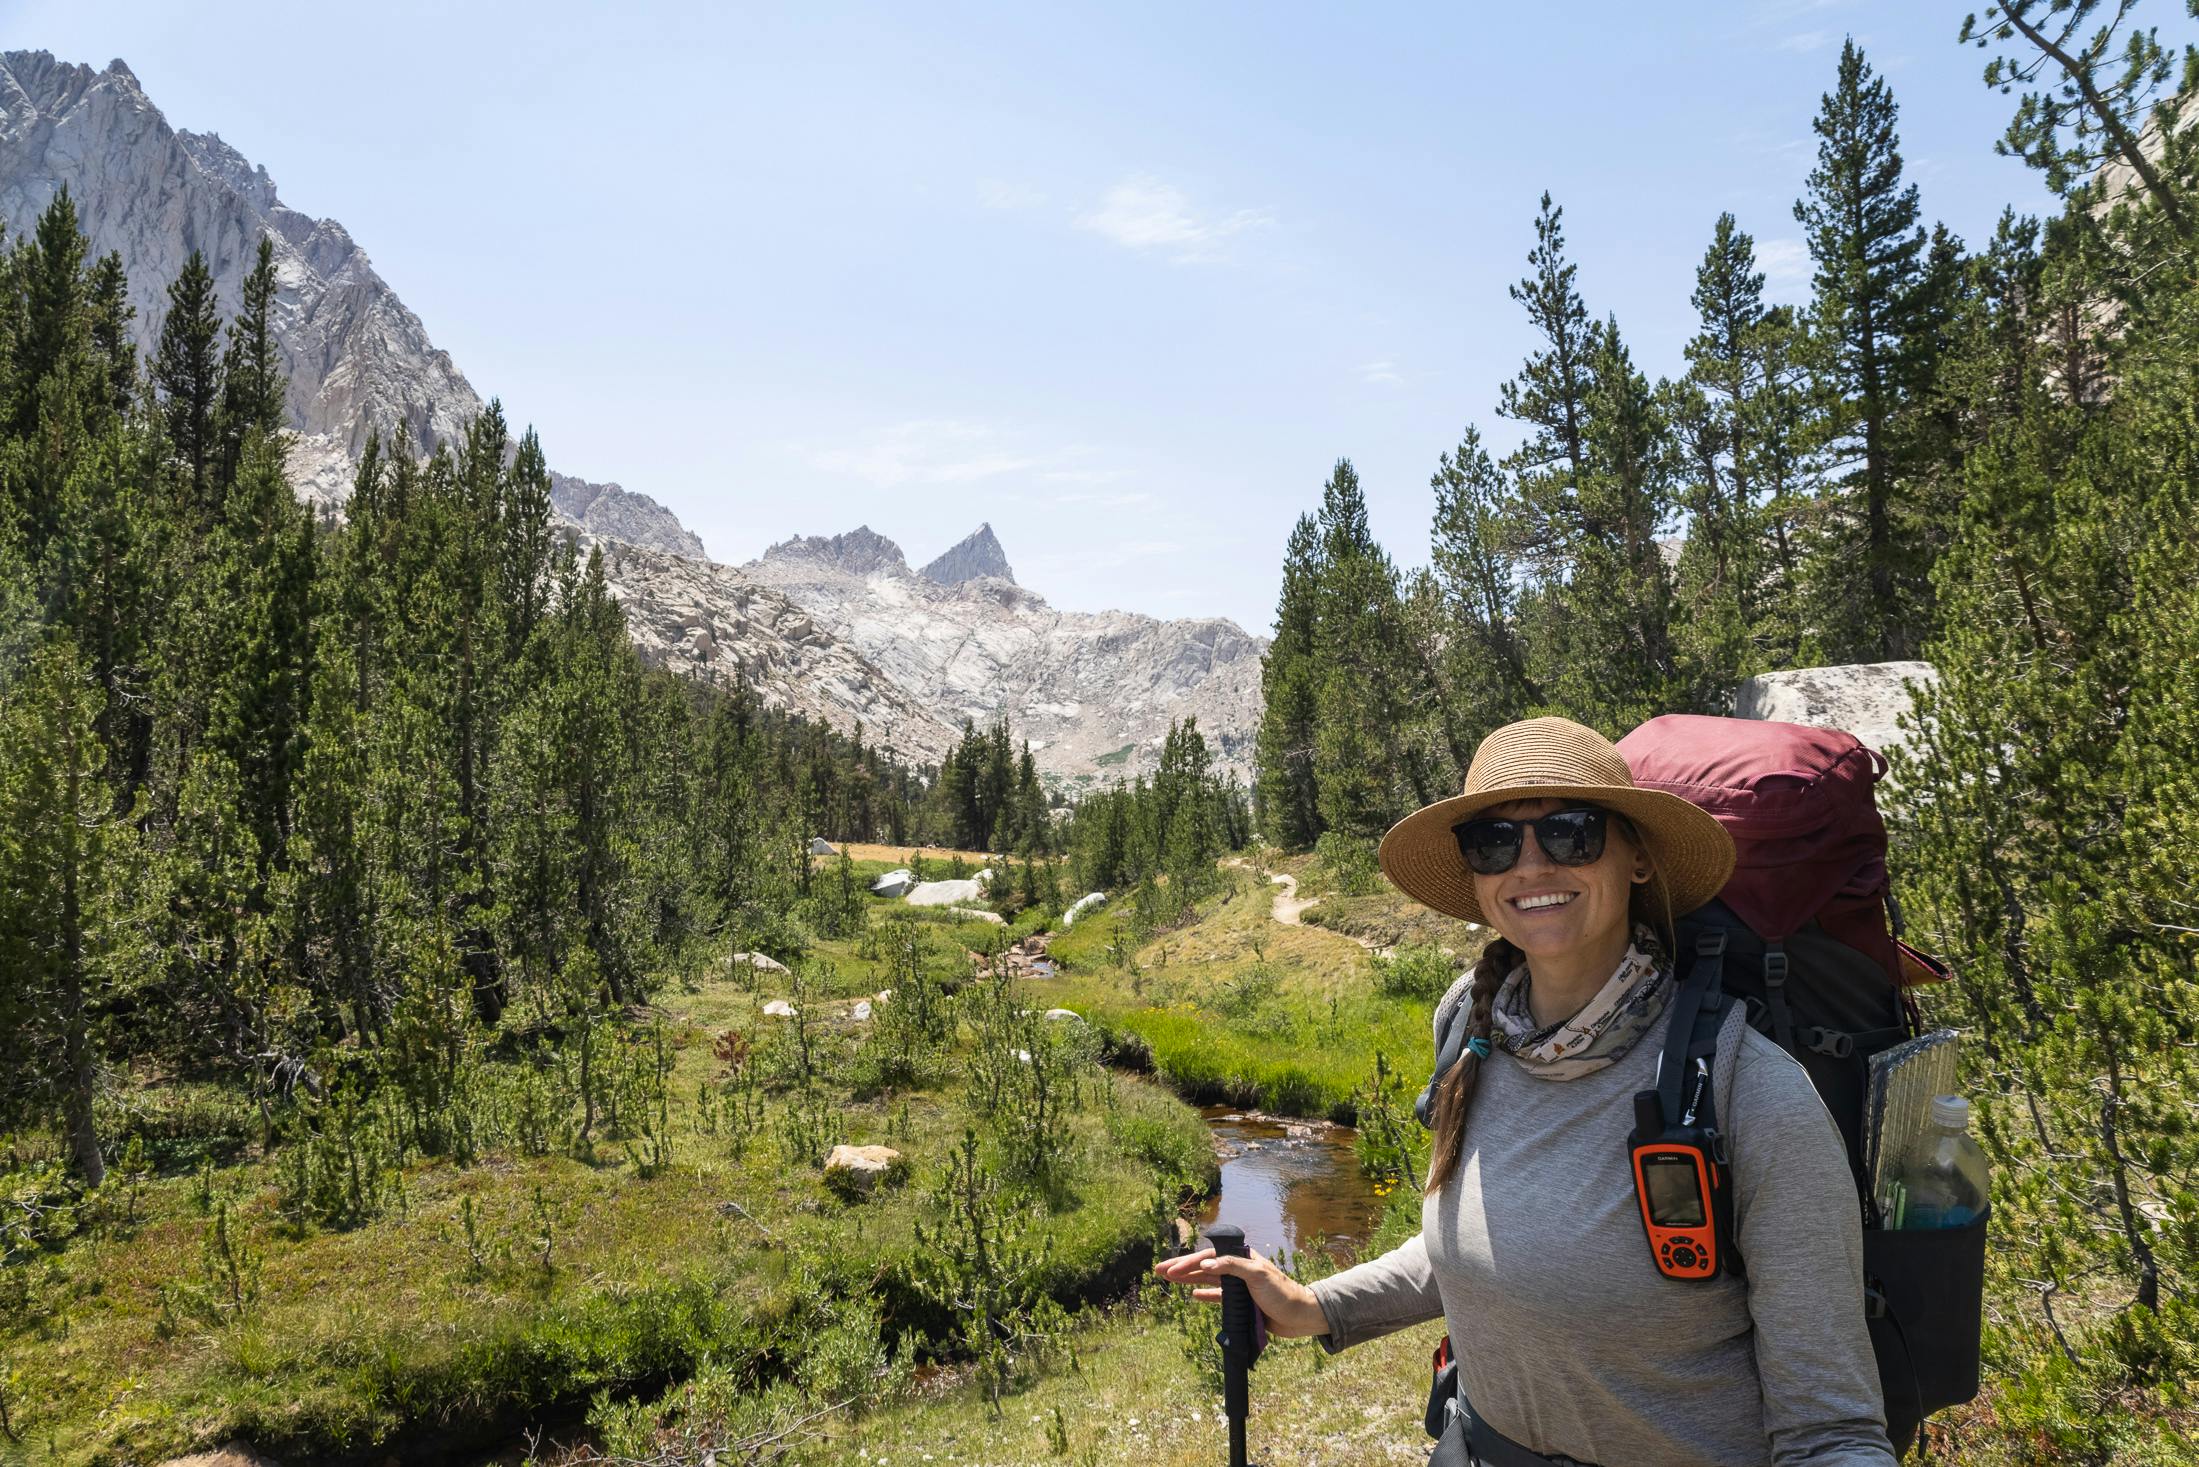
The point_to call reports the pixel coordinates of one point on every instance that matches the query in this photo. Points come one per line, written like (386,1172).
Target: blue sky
(1122,279)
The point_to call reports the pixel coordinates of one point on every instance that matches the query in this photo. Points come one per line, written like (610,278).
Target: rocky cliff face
(837,628)
(1094,692)
(977,557)
(358,360)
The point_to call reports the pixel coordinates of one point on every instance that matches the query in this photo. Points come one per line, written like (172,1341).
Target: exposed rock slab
(1865,699)
(944,893)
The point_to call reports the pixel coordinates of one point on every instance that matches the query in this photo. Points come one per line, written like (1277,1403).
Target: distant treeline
(268,781)
(1986,457)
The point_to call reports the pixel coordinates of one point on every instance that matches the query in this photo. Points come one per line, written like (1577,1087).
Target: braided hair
(1456,1091)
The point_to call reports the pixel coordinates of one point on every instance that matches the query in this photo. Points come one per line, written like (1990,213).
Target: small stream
(1288,1182)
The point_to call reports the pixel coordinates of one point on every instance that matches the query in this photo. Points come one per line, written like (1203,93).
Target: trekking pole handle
(1240,1320)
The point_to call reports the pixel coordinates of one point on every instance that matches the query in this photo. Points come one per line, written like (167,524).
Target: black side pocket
(1927,1300)
(1442,1400)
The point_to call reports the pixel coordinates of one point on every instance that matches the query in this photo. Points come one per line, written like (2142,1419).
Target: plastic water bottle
(1944,1185)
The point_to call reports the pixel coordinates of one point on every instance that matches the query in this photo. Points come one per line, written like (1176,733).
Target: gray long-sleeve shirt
(1568,1339)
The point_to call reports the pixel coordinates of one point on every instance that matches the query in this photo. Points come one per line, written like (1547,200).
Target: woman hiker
(1569,1340)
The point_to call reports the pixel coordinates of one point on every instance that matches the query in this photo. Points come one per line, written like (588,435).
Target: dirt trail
(1288,904)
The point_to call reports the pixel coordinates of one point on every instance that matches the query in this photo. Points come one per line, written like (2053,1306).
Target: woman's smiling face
(1547,910)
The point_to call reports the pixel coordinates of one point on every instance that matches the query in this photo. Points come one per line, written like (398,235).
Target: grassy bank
(1236,1006)
(202,1302)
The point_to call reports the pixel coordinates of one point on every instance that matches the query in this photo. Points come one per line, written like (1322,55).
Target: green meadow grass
(401,1331)
(1234,1006)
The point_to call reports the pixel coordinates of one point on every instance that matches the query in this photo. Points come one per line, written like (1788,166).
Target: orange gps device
(1681,1188)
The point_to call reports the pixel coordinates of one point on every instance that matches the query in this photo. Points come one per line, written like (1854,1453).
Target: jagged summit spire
(978,556)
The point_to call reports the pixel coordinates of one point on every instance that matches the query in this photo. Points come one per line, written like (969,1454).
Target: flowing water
(1288,1183)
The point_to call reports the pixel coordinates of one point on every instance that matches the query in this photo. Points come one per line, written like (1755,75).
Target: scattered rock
(1025,959)
(856,1171)
(977,914)
(861,1012)
(1059,1014)
(229,1454)
(893,883)
(1864,698)
(778,1008)
(944,893)
(983,876)
(884,994)
(761,962)
(819,846)
(1082,905)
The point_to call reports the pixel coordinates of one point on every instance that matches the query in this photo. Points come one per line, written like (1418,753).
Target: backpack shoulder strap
(1450,1043)
(1699,1011)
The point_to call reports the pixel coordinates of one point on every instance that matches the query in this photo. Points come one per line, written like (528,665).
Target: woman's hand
(1292,1311)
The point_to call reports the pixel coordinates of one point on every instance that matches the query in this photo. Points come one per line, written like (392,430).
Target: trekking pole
(1240,1339)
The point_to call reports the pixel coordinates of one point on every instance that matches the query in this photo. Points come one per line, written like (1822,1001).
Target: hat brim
(1690,851)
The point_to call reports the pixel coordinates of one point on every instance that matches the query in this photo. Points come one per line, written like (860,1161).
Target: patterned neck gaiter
(1608,1025)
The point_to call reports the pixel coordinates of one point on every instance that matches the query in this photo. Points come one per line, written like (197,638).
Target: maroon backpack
(1809,933)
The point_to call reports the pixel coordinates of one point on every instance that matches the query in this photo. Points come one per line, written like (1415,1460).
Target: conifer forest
(430,1030)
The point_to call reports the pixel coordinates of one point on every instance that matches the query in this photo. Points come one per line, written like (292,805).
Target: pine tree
(1286,793)
(1550,394)
(252,378)
(1874,358)
(187,371)
(111,314)
(1478,574)
(67,927)
(1720,571)
(1603,637)
(1357,658)
(2107,96)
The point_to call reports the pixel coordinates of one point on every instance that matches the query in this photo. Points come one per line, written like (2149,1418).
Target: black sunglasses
(1568,837)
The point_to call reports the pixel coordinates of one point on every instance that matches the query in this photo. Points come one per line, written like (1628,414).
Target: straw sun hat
(1556,758)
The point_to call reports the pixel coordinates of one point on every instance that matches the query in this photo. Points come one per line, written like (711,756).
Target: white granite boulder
(944,893)
(894,883)
(761,962)
(1864,698)
(1064,1015)
(861,1012)
(1082,905)
(819,846)
(778,1008)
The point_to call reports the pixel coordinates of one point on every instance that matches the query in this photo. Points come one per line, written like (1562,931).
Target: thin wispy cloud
(1785,262)
(998,193)
(926,451)
(950,451)
(1380,374)
(1127,499)
(1142,213)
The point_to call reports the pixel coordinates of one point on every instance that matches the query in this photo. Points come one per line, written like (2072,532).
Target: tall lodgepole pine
(1874,358)
(1478,574)
(187,372)
(252,379)
(1550,394)
(65,879)
(1285,793)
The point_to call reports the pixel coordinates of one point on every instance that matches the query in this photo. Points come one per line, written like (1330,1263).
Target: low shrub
(1415,970)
